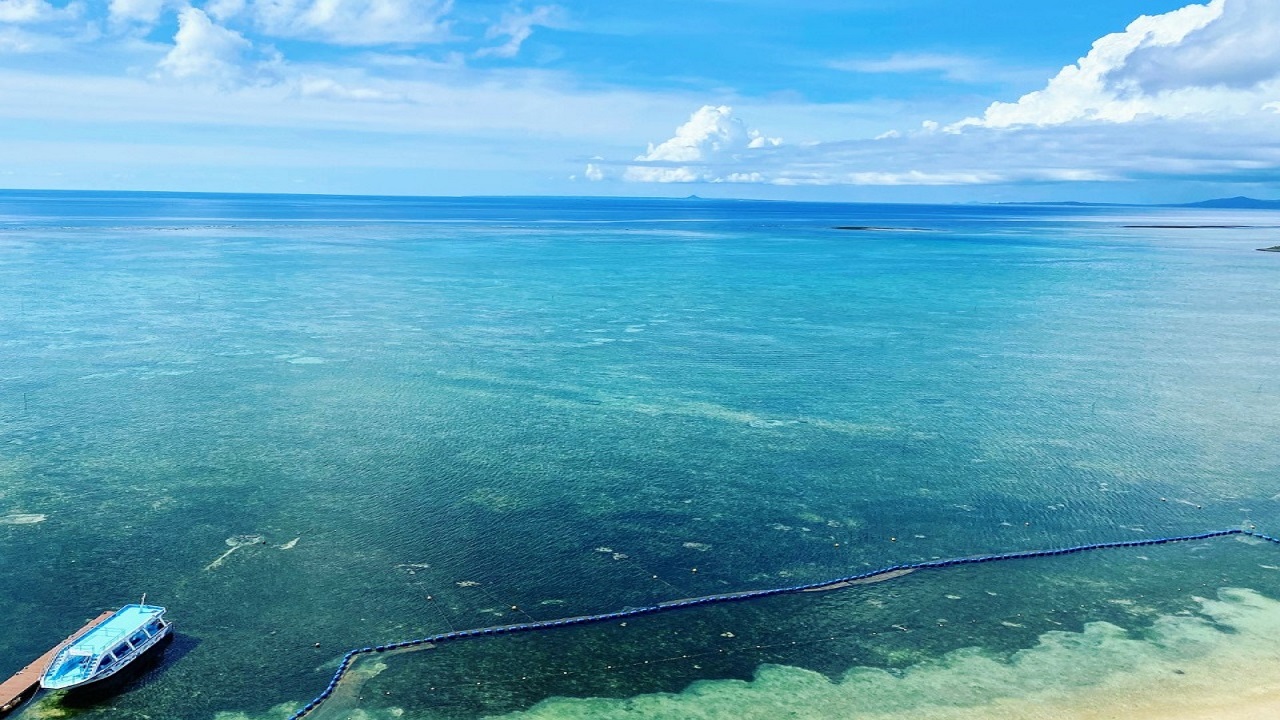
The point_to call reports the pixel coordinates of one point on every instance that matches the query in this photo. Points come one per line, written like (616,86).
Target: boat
(108,648)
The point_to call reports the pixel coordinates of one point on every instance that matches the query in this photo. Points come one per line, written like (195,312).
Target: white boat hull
(108,648)
(115,668)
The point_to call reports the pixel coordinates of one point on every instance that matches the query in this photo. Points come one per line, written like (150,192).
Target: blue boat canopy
(107,648)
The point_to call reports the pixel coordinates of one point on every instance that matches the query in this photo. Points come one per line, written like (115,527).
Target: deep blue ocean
(306,424)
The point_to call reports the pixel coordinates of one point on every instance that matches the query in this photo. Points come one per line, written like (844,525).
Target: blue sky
(910,100)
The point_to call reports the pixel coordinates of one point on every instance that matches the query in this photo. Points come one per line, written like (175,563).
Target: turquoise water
(346,421)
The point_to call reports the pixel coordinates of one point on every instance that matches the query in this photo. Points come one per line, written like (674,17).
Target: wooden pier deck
(19,688)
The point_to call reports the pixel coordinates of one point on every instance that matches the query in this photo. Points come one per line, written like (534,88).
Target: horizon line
(691,197)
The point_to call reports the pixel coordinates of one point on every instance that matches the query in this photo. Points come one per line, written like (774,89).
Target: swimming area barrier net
(349,659)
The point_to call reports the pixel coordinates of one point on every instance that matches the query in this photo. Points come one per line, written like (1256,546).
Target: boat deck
(106,648)
(24,683)
(126,621)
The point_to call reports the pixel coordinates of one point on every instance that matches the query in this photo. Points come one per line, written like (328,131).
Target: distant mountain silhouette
(1235,203)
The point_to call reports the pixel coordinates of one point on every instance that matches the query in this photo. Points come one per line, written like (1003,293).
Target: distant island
(1193,227)
(1275,248)
(1233,203)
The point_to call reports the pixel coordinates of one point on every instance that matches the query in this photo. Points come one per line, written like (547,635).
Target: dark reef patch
(876,228)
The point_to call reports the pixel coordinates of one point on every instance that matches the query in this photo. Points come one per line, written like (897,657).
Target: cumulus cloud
(517,26)
(203,50)
(1248,148)
(711,139)
(23,12)
(1190,93)
(353,22)
(1219,57)
(142,12)
(1238,49)
(37,26)
(224,10)
(920,158)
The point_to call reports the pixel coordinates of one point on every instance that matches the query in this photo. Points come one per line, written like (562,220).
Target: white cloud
(1089,152)
(1187,94)
(203,50)
(517,26)
(1202,111)
(37,26)
(1220,57)
(224,10)
(758,140)
(354,22)
(909,177)
(456,104)
(712,137)
(23,12)
(14,40)
(957,68)
(142,12)
(1238,49)
(324,87)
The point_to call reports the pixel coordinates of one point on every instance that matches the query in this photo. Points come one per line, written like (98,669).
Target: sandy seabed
(1222,663)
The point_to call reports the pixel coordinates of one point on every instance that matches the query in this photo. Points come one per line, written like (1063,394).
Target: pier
(24,684)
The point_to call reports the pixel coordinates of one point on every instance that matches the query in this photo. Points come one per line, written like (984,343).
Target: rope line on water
(349,659)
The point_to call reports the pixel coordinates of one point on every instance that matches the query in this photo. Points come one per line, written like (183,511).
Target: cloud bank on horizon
(513,96)
(1190,93)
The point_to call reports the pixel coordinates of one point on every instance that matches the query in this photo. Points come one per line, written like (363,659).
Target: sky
(854,100)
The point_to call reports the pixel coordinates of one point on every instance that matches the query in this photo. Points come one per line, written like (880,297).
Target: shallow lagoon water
(293,420)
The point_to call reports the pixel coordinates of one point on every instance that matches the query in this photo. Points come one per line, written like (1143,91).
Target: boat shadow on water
(147,669)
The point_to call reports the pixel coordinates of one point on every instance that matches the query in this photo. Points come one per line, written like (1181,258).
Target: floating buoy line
(887,573)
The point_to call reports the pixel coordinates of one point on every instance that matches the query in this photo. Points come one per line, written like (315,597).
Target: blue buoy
(349,658)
